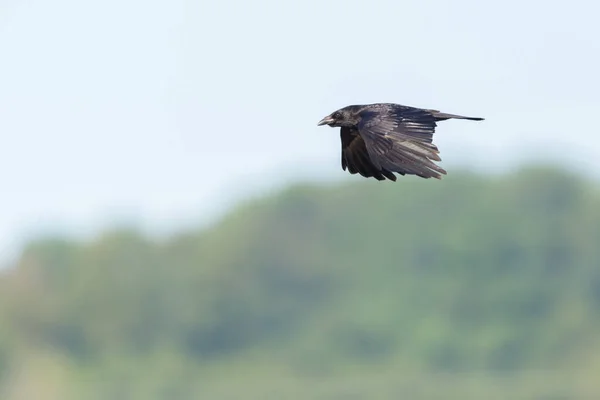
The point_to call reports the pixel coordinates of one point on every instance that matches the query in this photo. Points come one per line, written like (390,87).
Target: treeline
(470,273)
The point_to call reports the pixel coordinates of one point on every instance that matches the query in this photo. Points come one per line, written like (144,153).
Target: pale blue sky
(164,112)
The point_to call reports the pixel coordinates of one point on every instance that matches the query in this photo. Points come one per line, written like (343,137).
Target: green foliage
(464,275)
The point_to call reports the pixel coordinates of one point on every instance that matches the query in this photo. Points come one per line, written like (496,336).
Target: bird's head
(342,117)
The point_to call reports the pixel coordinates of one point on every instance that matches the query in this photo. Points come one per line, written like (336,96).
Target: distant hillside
(468,274)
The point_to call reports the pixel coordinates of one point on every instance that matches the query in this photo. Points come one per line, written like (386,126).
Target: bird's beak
(326,120)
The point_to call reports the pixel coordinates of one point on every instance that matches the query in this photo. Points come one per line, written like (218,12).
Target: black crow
(383,138)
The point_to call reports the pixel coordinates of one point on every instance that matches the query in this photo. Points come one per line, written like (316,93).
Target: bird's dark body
(381,139)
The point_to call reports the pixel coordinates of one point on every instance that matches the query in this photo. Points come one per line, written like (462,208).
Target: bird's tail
(439,116)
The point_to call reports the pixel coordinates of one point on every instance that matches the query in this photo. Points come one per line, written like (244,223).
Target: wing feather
(356,158)
(400,139)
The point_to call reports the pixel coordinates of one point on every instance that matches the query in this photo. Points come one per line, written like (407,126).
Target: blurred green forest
(470,287)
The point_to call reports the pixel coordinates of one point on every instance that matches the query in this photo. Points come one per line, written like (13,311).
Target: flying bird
(381,139)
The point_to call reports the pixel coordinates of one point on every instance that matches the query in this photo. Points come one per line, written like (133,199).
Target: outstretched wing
(356,158)
(399,139)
